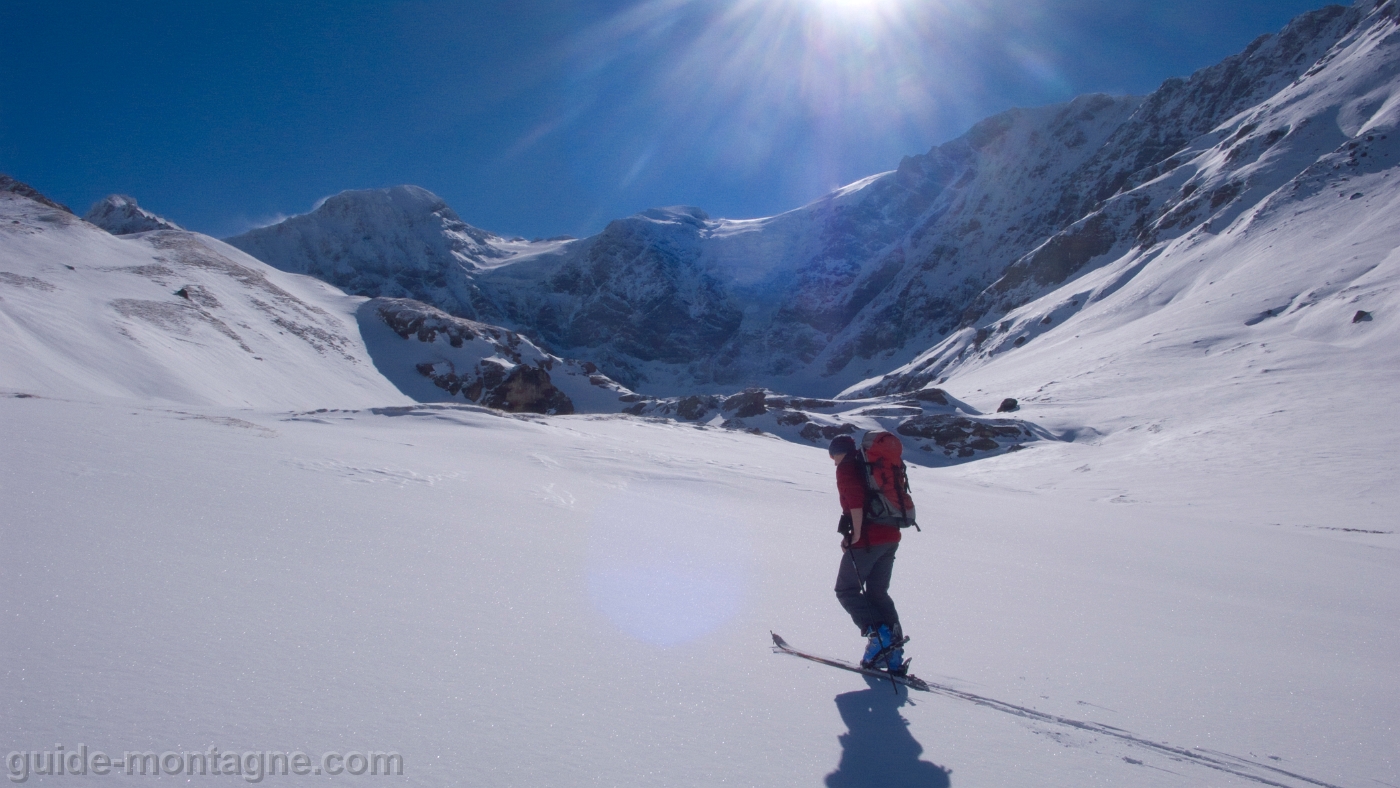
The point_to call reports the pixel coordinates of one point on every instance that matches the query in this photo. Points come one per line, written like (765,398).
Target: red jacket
(850,483)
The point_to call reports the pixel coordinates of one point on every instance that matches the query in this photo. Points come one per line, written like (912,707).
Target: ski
(781,646)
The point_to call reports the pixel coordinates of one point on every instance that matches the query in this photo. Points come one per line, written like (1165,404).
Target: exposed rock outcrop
(119,214)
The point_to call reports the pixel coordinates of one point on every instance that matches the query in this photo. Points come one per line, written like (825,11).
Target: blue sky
(547,117)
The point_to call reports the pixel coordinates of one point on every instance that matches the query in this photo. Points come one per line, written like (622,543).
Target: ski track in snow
(1219,761)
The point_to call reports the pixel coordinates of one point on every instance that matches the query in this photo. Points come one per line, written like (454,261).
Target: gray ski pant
(873,606)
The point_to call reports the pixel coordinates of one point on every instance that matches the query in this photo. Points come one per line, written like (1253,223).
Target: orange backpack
(887,500)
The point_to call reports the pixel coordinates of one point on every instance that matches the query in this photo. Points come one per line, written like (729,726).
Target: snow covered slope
(1249,335)
(12,186)
(398,242)
(564,601)
(179,317)
(672,301)
(169,316)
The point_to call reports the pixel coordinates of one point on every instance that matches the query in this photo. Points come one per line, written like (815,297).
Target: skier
(863,582)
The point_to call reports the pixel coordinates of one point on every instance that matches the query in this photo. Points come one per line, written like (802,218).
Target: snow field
(587,600)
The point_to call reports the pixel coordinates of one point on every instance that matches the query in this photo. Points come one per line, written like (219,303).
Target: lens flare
(795,90)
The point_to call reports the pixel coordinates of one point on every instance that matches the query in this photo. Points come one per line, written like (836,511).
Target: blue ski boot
(894,655)
(873,647)
(895,663)
(877,647)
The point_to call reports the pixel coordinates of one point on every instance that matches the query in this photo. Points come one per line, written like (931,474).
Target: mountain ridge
(170,316)
(858,282)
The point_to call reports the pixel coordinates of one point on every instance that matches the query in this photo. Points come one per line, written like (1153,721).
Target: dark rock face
(411,318)
(1009,405)
(507,373)
(694,408)
(902,384)
(937,427)
(1061,256)
(812,432)
(792,418)
(199,295)
(747,404)
(936,396)
(1361,316)
(528,390)
(962,436)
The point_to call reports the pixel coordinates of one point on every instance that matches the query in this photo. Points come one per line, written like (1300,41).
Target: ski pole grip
(844,526)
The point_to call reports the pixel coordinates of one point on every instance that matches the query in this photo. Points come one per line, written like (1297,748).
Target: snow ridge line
(1198,756)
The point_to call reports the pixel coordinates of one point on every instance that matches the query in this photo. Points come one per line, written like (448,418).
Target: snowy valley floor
(587,601)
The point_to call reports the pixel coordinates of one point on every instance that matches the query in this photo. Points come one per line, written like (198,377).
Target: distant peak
(405,198)
(676,213)
(119,214)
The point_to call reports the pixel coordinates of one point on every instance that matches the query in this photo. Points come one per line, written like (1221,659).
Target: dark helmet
(842,444)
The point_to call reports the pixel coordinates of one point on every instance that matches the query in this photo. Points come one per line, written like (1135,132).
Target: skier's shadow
(877,750)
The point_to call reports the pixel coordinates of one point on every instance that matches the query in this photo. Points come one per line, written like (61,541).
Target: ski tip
(778,640)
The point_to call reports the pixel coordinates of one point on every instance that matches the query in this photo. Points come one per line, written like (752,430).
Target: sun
(745,82)
(857,9)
